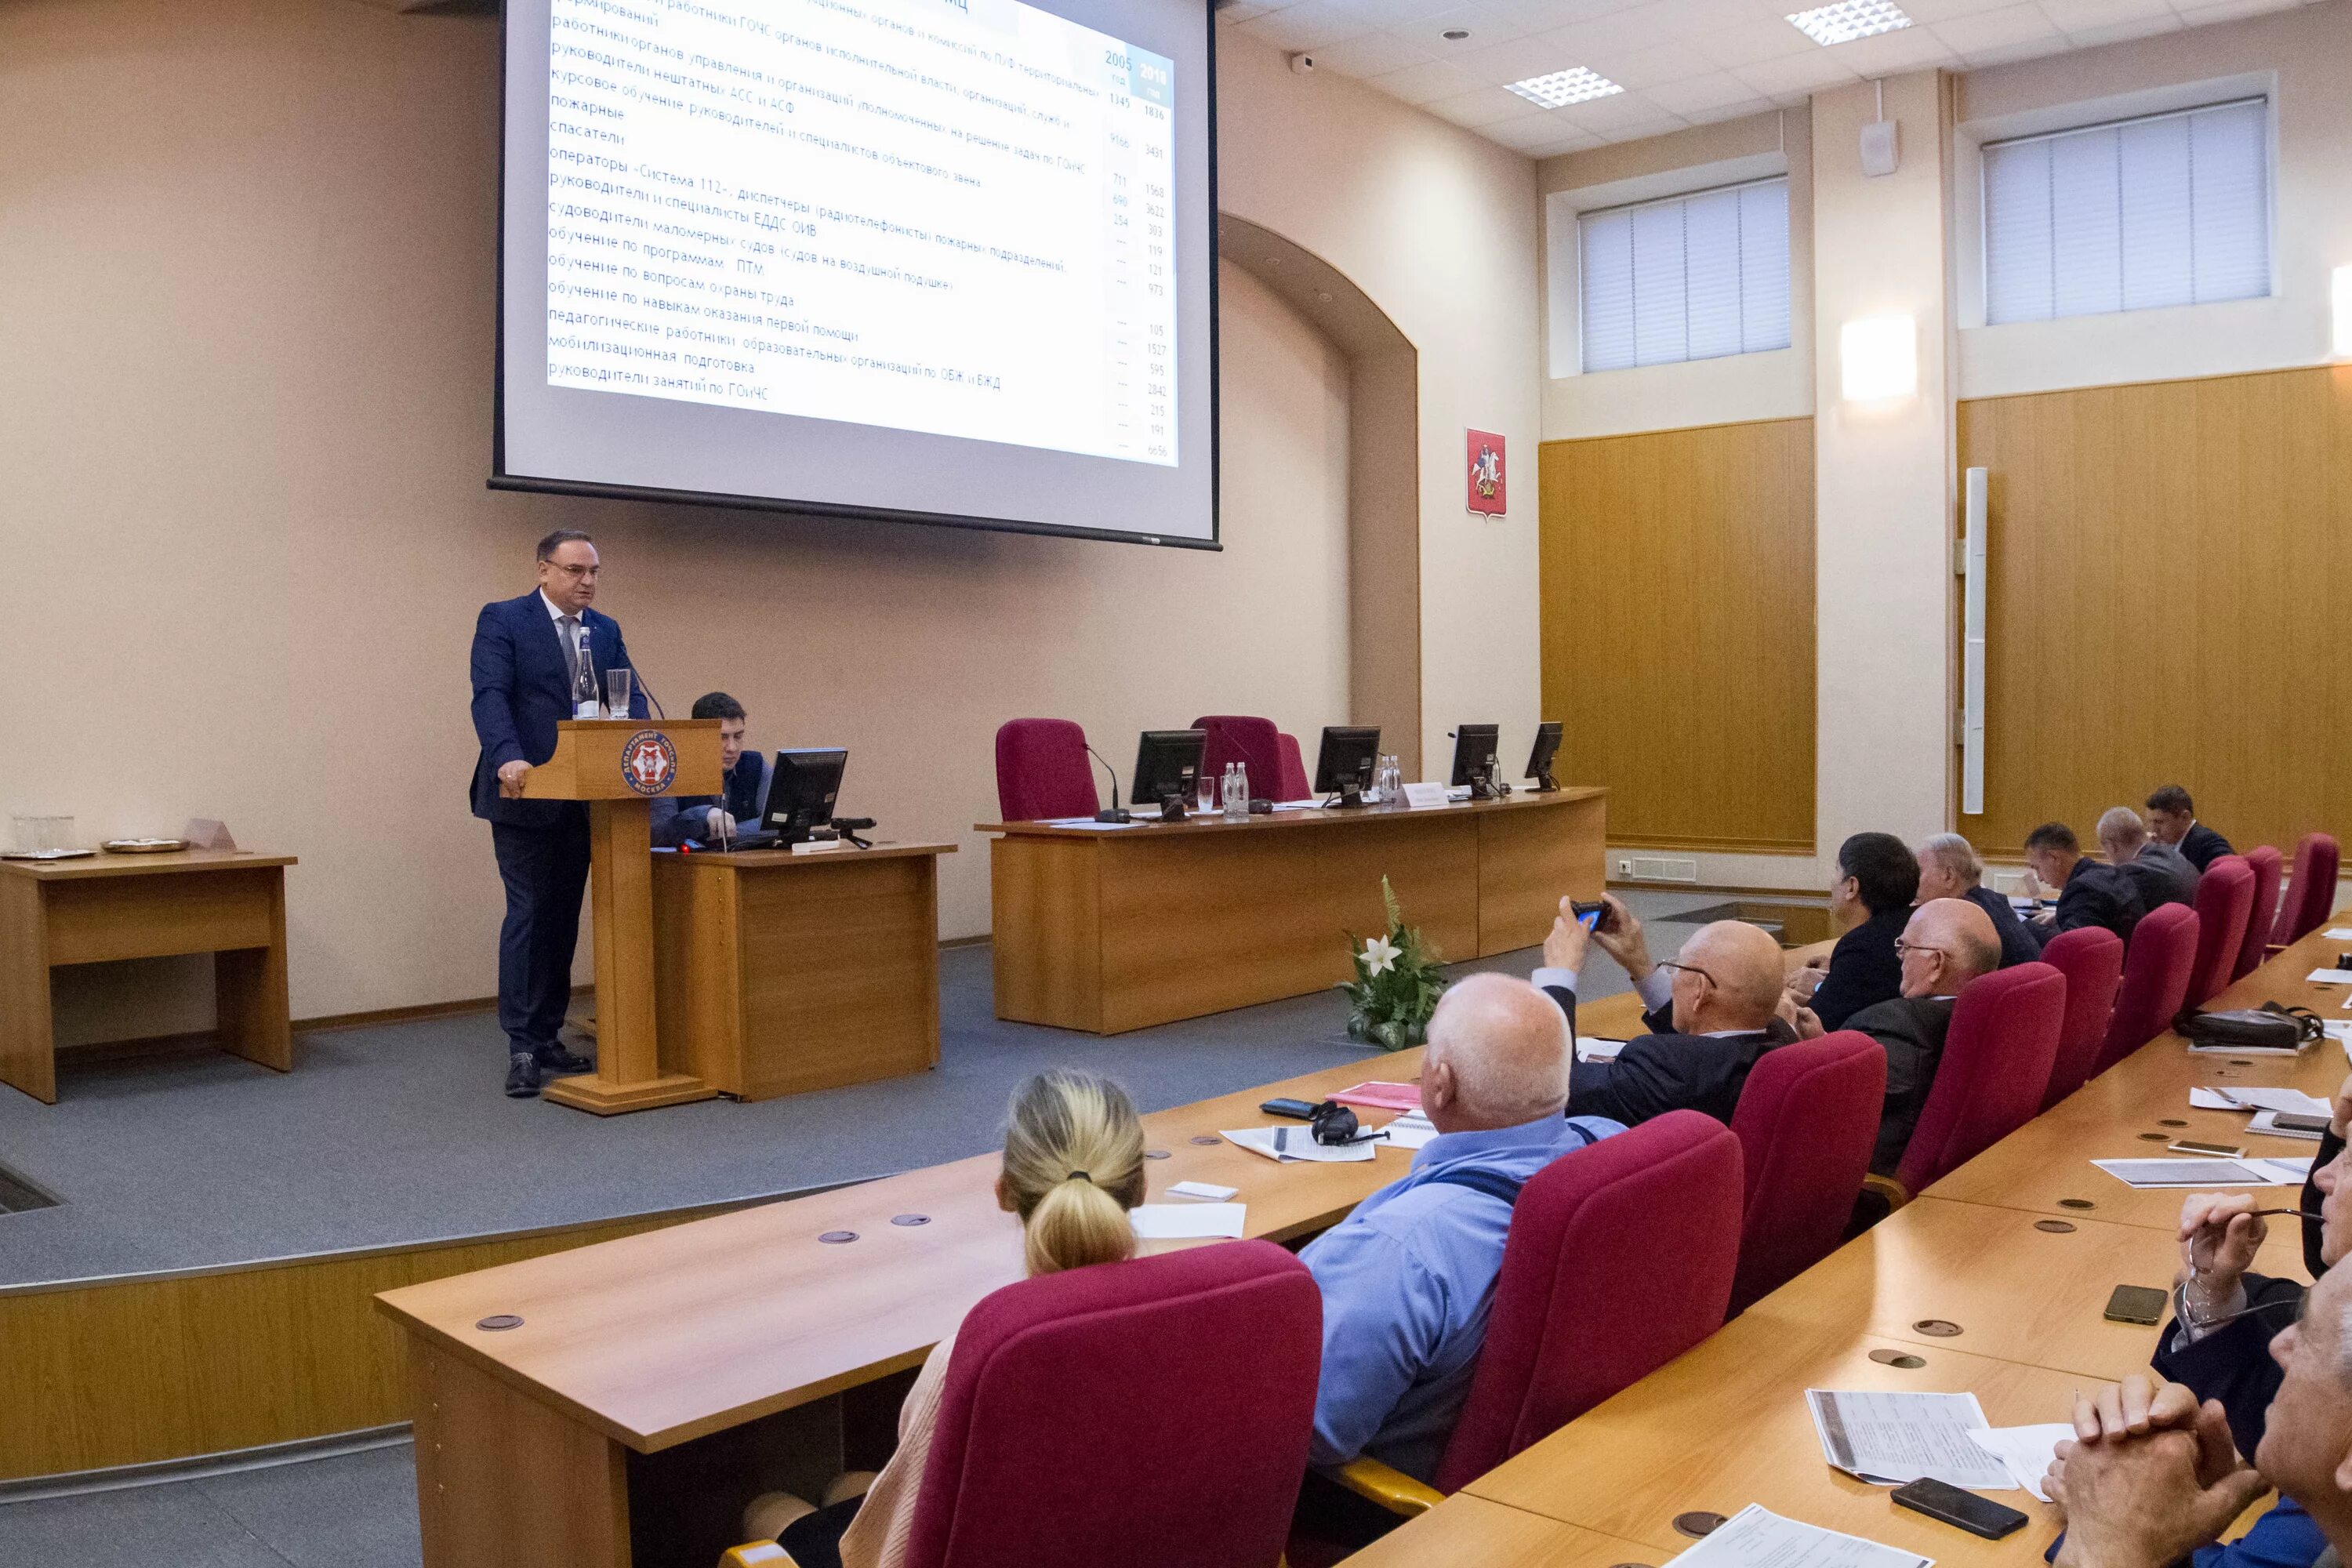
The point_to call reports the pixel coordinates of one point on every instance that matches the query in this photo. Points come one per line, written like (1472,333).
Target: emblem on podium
(648,762)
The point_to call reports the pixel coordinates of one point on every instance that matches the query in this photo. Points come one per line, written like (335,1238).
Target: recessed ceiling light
(1455,35)
(1848,20)
(1561,88)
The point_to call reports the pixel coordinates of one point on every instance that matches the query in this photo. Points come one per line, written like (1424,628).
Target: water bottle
(1237,795)
(584,704)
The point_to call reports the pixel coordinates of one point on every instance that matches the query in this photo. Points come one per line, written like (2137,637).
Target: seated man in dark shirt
(1712,1012)
(1949,868)
(2172,817)
(2161,873)
(1948,944)
(1877,879)
(2089,894)
(743,797)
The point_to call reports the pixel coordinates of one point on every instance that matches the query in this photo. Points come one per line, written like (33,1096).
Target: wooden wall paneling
(1677,637)
(1528,861)
(2160,563)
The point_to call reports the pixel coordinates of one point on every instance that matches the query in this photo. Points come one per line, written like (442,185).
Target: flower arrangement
(1397,983)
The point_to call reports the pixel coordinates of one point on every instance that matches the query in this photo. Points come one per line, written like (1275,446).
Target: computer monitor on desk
(1546,747)
(1343,766)
(803,788)
(1167,770)
(1474,746)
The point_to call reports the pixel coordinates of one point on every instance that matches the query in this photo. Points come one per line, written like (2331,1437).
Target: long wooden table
(230,903)
(1112,930)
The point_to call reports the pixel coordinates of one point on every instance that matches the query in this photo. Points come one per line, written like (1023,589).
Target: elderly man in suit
(2160,871)
(1949,868)
(528,654)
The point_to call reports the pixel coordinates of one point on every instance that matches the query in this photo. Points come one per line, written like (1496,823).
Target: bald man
(1945,945)
(1408,1278)
(1713,1010)
(2161,872)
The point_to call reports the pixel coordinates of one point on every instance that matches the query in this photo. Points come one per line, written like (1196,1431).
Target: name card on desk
(1424,796)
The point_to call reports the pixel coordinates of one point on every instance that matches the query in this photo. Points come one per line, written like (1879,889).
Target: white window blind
(2172,209)
(1692,277)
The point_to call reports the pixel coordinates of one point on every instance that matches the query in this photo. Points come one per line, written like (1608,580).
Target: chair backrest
(1042,771)
(2091,959)
(1657,1209)
(1807,1119)
(1996,1063)
(2155,977)
(1047,1452)
(1255,743)
(2263,919)
(2312,893)
(2225,899)
(1296,784)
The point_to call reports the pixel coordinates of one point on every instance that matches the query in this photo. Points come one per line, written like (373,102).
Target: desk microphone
(1114,814)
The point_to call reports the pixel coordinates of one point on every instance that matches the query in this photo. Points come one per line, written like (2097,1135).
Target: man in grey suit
(2162,873)
(1946,944)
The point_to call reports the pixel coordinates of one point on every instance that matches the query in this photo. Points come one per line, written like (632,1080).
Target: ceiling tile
(2082,16)
(1889,54)
(1748,43)
(1642,129)
(1543,15)
(1581,143)
(1486,106)
(1392,14)
(1806,73)
(2005,54)
(1702,94)
(1650,66)
(1607,116)
(2122,32)
(1309,25)
(1421,83)
(1969,35)
(1527,132)
(1618,33)
(1934,11)
(1241,11)
(1370,54)
(1496,64)
(1722,111)
(2231,10)
(1485,26)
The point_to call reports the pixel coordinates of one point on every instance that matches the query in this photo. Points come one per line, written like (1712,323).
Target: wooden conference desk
(778,974)
(228,902)
(1112,930)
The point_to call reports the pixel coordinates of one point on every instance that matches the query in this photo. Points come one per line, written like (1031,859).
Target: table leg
(250,987)
(29,1058)
(628,1075)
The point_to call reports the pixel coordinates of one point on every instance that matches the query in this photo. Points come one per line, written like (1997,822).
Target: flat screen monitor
(1540,759)
(802,792)
(1474,746)
(1343,766)
(1166,763)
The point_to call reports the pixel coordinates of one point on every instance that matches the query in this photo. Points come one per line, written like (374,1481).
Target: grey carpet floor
(400,1134)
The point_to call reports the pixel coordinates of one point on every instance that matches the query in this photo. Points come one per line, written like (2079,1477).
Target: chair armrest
(1886,1187)
(756,1554)
(1391,1488)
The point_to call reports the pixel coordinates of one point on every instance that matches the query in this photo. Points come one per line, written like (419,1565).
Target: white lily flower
(1381,955)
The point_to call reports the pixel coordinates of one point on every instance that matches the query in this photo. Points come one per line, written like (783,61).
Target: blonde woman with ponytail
(1073,1168)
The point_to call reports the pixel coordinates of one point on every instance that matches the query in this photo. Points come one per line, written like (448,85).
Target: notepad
(1410,1131)
(1756,1537)
(1187,1222)
(2204,1172)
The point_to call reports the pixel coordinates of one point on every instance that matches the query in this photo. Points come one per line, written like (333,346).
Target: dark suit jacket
(2201,846)
(1863,968)
(2016,945)
(2096,894)
(523,686)
(1911,1031)
(679,817)
(1662,1071)
(2163,875)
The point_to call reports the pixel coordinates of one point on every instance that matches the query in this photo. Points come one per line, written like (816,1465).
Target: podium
(618,766)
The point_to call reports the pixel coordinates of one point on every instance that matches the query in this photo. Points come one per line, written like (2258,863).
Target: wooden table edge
(105,865)
(762,858)
(1567,795)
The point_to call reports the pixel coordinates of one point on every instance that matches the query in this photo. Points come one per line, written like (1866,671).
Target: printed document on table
(2330,977)
(2192,1173)
(1296,1142)
(1410,1131)
(1177,1222)
(1757,1538)
(2026,1450)
(2292,1100)
(1892,1439)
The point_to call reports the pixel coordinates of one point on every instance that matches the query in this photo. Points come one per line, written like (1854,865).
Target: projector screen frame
(499,479)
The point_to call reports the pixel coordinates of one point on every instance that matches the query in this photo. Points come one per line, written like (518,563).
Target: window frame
(1583,278)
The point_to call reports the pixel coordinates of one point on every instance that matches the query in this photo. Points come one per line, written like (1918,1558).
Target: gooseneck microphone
(1114,814)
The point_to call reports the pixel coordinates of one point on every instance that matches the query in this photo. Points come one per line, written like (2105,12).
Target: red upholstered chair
(2225,897)
(1295,785)
(1989,1082)
(2091,959)
(2264,861)
(1255,743)
(1657,1208)
(1037,1458)
(1807,1121)
(1042,771)
(2312,892)
(2157,968)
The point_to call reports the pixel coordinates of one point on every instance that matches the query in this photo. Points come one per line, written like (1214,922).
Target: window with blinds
(1694,276)
(2171,209)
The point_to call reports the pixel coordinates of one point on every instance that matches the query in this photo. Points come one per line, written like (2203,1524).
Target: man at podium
(528,658)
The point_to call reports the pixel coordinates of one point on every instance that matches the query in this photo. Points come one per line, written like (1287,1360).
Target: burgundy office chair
(1990,1079)
(1807,1121)
(2225,899)
(2264,861)
(1255,743)
(2156,966)
(1295,782)
(1042,771)
(2312,892)
(1657,1208)
(1044,1455)
(2091,959)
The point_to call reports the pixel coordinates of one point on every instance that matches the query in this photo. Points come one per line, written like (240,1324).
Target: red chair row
(1043,769)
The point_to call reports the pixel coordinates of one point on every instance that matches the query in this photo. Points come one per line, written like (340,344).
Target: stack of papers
(1595,1048)
(1757,1538)
(1410,1131)
(2293,1100)
(2208,1172)
(1382,1096)
(1893,1440)
(1296,1142)
(1185,1221)
(2330,977)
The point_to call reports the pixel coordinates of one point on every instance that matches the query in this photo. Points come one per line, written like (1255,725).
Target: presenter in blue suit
(526,660)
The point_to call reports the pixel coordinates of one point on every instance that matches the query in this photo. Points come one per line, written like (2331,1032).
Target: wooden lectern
(617,767)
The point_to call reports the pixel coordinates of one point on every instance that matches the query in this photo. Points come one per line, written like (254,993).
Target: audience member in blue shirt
(1409,1278)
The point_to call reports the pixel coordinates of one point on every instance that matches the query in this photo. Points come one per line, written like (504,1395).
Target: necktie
(571,625)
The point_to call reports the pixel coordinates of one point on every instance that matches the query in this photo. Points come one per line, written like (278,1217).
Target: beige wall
(245,530)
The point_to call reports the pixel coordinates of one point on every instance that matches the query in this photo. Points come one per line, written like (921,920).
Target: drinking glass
(38,834)
(1205,792)
(617,680)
